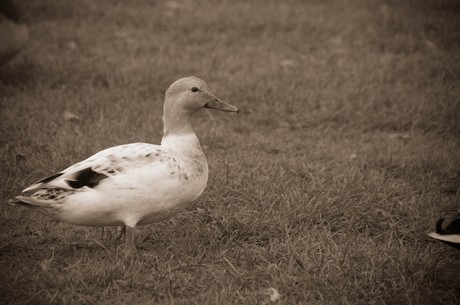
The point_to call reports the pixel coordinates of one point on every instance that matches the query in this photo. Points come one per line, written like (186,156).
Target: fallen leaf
(287,63)
(353,157)
(399,136)
(72,45)
(274,294)
(383,212)
(69,116)
(45,264)
(431,45)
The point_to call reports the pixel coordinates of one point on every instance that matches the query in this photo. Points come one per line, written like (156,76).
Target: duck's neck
(177,122)
(185,145)
(180,139)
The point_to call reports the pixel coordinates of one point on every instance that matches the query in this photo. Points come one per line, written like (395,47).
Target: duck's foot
(121,232)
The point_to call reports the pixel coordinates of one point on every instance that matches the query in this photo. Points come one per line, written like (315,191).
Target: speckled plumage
(138,183)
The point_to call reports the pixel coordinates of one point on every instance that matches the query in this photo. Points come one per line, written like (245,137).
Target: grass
(323,187)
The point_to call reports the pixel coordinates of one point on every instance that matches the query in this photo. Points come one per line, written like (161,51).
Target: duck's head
(185,97)
(191,94)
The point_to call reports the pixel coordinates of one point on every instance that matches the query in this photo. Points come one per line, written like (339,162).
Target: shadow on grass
(17,74)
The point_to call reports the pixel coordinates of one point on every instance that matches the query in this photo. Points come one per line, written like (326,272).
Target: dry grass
(323,187)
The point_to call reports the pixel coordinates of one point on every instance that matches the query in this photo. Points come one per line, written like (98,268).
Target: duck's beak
(218,104)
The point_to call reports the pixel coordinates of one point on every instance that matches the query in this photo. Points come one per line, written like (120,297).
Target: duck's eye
(194,89)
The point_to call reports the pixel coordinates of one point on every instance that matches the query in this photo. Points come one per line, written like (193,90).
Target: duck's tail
(17,201)
(26,201)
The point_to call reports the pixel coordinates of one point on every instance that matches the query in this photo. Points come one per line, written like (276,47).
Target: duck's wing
(102,165)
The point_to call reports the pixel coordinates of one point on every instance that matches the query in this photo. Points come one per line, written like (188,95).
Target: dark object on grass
(450,234)
(13,33)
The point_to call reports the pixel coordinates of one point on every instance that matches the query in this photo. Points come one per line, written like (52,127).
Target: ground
(323,187)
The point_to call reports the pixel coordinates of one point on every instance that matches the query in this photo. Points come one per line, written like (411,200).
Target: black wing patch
(452,229)
(86,177)
(48,179)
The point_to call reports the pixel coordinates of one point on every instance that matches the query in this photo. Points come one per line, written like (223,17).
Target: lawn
(322,188)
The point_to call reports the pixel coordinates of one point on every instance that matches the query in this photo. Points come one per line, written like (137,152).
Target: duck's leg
(121,232)
(130,248)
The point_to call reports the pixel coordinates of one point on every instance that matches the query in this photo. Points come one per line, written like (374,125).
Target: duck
(134,184)
(14,34)
(449,235)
